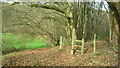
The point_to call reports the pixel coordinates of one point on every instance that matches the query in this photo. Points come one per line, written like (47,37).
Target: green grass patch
(11,54)
(36,43)
(15,42)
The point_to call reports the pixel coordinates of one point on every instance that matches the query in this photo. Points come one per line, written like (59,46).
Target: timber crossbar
(78,40)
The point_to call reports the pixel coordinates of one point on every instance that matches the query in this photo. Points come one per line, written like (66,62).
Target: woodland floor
(52,56)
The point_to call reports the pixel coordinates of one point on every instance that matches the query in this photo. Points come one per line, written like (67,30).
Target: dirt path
(55,57)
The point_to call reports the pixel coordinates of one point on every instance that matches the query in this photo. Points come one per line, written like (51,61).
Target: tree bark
(116,16)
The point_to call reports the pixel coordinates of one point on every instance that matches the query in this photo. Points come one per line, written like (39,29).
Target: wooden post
(94,43)
(63,41)
(60,42)
(82,50)
(73,38)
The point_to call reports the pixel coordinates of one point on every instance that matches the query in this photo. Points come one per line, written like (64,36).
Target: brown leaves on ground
(55,57)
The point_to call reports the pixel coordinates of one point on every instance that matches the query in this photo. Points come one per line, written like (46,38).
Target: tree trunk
(116,15)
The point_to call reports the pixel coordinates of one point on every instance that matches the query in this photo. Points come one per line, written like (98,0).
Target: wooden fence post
(73,38)
(82,50)
(94,43)
(60,42)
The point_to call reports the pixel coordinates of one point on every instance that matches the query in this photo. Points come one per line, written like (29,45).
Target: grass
(15,42)
(37,43)
(76,60)
(93,55)
(11,54)
(96,61)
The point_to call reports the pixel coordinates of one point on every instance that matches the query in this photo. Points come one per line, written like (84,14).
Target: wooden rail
(78,40)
